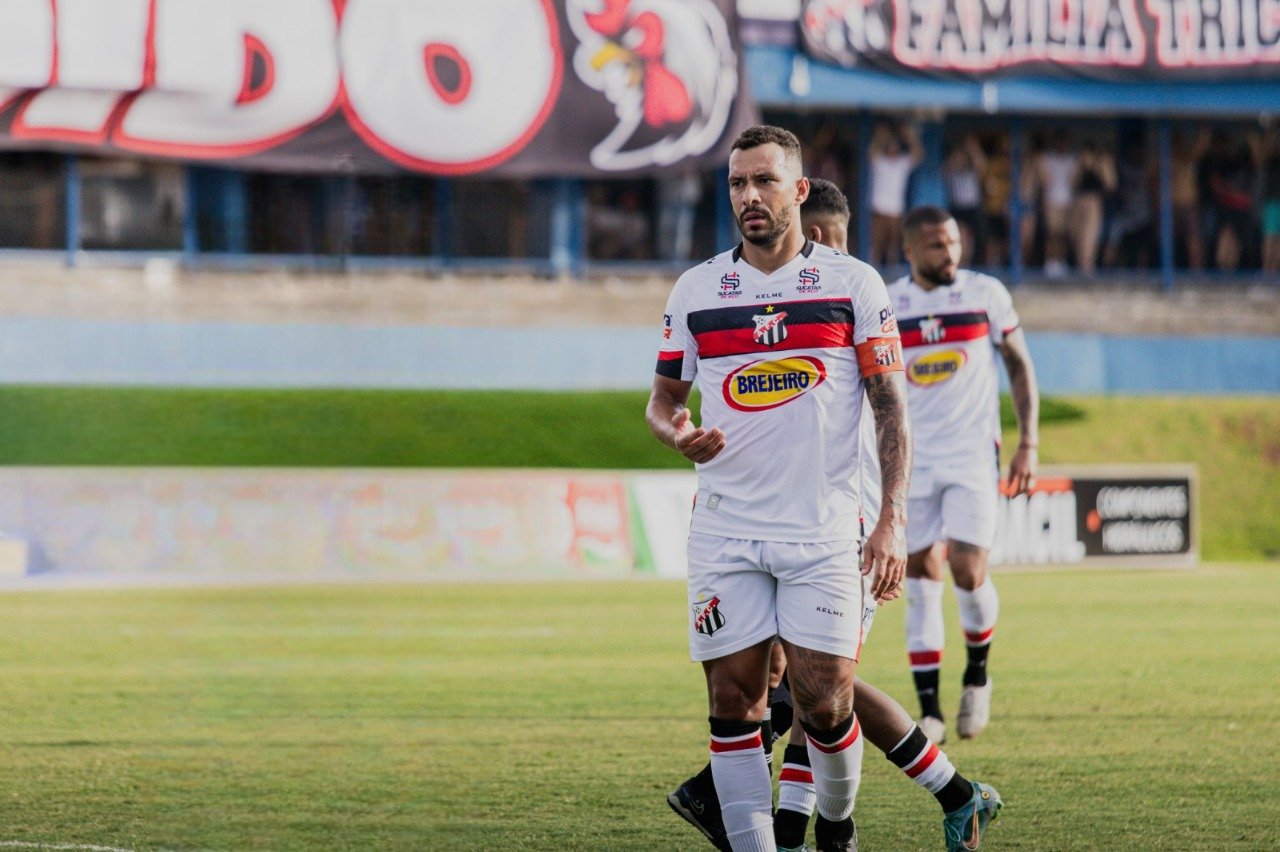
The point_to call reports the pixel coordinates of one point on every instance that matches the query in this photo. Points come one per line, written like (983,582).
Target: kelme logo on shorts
(936,367)
(761,385)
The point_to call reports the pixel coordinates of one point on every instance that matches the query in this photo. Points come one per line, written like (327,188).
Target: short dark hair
(927,214)
(763,134)
(825,199)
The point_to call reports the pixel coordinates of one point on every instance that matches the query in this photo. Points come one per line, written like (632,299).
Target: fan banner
(1121,40)
(516,88)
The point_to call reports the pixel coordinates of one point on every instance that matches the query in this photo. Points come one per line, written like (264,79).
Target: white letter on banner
(449,87)
(207,45)
(101,54)
(26,44)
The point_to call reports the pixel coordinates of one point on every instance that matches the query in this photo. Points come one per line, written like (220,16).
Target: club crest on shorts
(707,617)
(771,328)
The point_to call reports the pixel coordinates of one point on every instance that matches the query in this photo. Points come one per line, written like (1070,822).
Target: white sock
(837,769)
(979,610)
(795,782)
(743,785)
(923,619)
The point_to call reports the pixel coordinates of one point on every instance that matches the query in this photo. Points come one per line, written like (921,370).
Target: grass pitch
(1134,710)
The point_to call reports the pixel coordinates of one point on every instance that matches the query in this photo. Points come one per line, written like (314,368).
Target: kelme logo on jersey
(762,385)
(936,367)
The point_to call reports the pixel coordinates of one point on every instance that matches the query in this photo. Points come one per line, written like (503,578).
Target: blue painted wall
(39,350)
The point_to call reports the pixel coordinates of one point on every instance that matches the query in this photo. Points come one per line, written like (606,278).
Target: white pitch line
(80,847)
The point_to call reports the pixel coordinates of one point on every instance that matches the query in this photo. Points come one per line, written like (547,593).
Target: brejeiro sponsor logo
(936,366)
(761,385)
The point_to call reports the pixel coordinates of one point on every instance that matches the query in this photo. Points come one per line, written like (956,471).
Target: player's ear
(802,190)
(813,232)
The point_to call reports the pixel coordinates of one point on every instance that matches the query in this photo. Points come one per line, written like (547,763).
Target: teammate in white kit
(783,336)
(953,321)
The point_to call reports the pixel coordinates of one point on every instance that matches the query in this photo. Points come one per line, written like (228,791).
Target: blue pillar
(72,179)
(190,216)
(727,233)
(444,220)
(926,181)
(1018,151)
(866,126)
(235,210)
(1165,140)
(568,224)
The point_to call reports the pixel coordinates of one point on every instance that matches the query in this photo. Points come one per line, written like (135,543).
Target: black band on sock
(728,728)
(797,754)
(955,794)
(789,828)
(912,747)
(975,672)
(927,692)
(831,737)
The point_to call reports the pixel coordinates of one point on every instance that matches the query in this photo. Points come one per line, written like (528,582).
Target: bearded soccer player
(953,322)
(783,336)
(825,220)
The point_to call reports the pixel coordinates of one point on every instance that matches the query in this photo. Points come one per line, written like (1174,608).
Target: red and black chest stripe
(943,328)
(772,327)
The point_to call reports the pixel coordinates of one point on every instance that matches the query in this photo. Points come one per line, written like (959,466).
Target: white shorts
(952,503)
(743,592)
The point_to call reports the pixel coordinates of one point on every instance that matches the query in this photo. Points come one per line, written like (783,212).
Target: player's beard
(780,223)
(939,276)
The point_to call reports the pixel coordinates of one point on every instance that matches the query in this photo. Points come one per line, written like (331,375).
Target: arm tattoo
(1022,387)
(888,397)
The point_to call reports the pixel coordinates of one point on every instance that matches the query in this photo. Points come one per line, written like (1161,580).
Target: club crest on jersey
(707,617)
(730,285)
(936,367)
(762,385)
(771,328)
(808,280)
(932,330)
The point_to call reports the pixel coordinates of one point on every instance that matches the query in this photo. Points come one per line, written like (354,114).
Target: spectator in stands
(1132,231)
(1057,169)
(1271,202)
(678,195)
(997,194)
(1187,151)
(1095,180)
(617,231)
(963,172)
(895,152)
(1228,174)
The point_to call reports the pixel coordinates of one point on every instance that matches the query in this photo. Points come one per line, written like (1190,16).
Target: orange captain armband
(879,355)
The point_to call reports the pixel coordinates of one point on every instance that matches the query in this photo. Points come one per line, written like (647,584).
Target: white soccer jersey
(779,360)
(949,338)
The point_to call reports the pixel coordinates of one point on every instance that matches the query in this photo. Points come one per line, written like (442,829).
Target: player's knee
(733,700)
(825,710)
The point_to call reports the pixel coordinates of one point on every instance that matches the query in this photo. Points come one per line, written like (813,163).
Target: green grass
(1133,711)
(1235,441)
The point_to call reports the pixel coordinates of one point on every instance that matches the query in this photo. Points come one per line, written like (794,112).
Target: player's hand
(696,444)
(1022,470)
(884,557)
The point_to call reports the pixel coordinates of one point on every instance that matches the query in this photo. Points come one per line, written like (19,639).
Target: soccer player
(782,336)
(953,321)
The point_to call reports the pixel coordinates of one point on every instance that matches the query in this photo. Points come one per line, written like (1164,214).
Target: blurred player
(825,219)
(952,322)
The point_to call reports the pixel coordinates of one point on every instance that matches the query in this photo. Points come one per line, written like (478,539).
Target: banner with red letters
(1121,40)
(509,87)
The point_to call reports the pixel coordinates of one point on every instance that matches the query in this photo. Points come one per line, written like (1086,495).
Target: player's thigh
(731,597)
(970,499)
(924,520)
(822,595)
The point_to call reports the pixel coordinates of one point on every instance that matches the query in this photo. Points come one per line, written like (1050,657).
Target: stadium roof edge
(786,78)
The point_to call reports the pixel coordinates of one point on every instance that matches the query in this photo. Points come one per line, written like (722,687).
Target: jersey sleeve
(1000,311)
(677,354)
(875,328)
